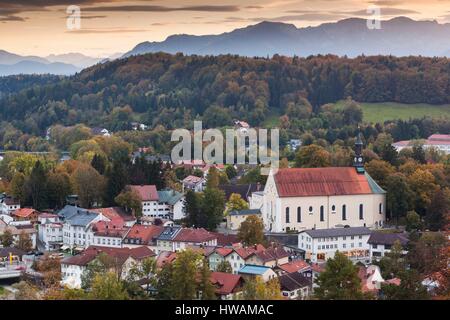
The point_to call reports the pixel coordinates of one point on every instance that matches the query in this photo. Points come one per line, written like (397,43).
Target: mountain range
(63,64)
(399,36)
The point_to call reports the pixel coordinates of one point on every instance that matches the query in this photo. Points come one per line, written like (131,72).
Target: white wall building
(319,245)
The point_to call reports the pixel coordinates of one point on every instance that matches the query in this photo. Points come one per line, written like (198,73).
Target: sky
(39,27)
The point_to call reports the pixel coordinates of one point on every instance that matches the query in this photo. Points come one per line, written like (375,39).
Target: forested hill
(174,89)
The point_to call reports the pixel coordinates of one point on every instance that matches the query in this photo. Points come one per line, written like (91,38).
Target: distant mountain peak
(401,36)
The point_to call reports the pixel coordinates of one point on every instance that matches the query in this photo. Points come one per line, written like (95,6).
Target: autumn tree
(380,170)
(393,262)
(24,242)
(256,289)
(339,280)
(312,156)
(236,203)
(205,285)
(399,195)
(438,209)
(224,266)
(184,275)
(6,239)
(410,287)
(88,185)
(106,286)
(130,201)
(251,231)
(423,185)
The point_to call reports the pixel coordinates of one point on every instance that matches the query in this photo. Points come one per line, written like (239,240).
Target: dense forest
(172,90)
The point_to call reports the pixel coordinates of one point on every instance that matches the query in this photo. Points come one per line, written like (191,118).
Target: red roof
(24,212)
(165,257)
(144,232)
(192,179)
(439,137)
(295,266)
(226,239)
(303,182)
(224,251)
(194,235)
(113,228)
(246,252)
(114,213)
(226,283)
(146,193)
(120,254)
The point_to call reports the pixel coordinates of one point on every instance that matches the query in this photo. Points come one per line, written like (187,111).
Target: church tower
(358,160)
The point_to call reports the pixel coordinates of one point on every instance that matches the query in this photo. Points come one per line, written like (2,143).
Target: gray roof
(388,238)
(169,196)
(246,212)
(338,232)
(169,233)
(77,216)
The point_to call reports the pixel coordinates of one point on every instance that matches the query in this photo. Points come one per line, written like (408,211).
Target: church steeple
(358,160)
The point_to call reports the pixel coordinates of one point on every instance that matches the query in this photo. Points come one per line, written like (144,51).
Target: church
(297,199)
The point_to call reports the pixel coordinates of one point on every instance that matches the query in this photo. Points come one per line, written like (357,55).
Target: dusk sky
(38,27)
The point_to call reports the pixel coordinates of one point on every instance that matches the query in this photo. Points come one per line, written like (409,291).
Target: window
(287,215)
(321,214)
(380,208)
(299,214)
(310,210)
(361,212)
(333,208)
(344,212)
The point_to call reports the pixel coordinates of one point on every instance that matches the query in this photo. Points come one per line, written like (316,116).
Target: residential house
(50,231)
(176,238)
(321,244)
(9,204)
(241,256)
(252,271)
(270,257)
(109,233)
(300,266)
(77,222)
(440,142)
(381,243)
(116,213)
(194,183)
(149,197)
(218,256)
(143,235)
(322,198)
(295,286)
(96,131)
(172,203)
(21,229)
(73,267)
(235,218)
(26,214)
(228,286)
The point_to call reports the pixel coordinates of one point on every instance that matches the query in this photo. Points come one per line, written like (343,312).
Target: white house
(77,222)
(440,142)
(321,244)
(252,271)
(381,243)
(8,205)
(172,202)
(194,183)
(177,239)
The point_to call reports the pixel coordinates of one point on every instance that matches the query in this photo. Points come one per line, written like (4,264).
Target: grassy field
(380,112)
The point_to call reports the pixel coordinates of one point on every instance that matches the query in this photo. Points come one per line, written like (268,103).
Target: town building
(177,238)
(25,214)
(194,183)
(235,218)
(297,199)
(143,235)
(252,271)
(50,231)
(295,286)
(381,243)
(321,244)
(8,204)
(440,142)
(72,268)
(228,286)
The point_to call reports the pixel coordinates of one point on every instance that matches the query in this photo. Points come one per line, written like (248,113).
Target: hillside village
(279,239)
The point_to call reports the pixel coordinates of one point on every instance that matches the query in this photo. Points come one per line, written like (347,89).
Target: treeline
(172,90)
